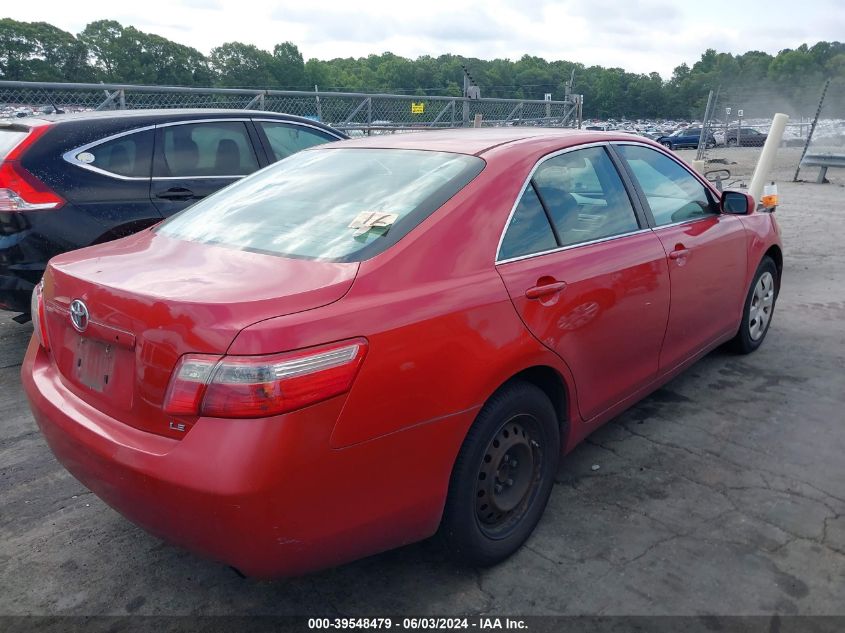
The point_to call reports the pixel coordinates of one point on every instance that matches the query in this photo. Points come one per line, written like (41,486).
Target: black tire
(517,421)
(745,340)
(666,144)
(731,142)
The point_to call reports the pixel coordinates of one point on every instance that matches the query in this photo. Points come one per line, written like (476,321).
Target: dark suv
(69,181)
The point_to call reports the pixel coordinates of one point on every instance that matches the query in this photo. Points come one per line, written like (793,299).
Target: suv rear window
(329,204)
(9,139)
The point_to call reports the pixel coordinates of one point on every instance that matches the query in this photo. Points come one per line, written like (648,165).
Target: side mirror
(737,203)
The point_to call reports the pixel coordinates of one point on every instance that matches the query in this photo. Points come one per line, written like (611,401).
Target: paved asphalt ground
(722,493)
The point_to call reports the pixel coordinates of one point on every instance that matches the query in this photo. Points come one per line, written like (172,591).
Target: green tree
(240,65)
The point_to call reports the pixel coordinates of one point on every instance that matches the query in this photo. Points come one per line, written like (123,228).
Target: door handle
(536,292)
(175,193)
(678,253)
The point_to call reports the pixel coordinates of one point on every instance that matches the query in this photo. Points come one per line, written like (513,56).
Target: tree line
(106,51)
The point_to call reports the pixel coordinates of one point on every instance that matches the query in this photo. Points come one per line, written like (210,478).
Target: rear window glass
(9,139)
(334,204)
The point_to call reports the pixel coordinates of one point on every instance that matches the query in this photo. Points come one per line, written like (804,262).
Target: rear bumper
(268,496)
(23,257)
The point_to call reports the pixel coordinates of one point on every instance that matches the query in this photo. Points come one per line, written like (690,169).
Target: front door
(705,250)
(587,279)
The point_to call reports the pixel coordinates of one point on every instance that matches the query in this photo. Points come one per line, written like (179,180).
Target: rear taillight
(38,314)
(259,386)
(19,189)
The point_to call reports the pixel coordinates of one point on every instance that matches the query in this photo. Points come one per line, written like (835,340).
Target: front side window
(130,155)
(287,138)
(572,198)
(213,149)
(343,204)
(673,193)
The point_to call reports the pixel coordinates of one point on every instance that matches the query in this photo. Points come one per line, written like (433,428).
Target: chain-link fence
(346,111)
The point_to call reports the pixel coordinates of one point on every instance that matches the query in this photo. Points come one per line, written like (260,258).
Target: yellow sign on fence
(417,108)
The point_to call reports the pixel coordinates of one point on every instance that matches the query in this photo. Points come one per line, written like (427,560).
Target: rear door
(705,250)
(587,276)
(110,182)
(196,158)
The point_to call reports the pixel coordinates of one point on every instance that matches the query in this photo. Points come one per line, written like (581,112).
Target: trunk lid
(151,298)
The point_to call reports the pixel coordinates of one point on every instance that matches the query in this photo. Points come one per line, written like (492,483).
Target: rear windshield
(9,139)
(330,204)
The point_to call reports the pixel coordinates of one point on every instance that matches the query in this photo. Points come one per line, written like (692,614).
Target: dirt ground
(722,493)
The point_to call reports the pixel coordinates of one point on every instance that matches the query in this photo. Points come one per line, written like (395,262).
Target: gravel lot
(722,493)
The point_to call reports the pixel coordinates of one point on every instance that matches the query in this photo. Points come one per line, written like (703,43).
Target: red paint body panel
(608,322)
(268,496)
(708,284)
(172,297)
(445,327)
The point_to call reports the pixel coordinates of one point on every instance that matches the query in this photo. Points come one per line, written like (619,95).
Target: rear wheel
(759,308)
(503,476)
(731,142)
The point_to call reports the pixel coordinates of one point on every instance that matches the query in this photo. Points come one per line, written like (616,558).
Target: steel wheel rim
(762,304)
(508,476)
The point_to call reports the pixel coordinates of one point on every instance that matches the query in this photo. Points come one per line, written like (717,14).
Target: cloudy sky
(639,36)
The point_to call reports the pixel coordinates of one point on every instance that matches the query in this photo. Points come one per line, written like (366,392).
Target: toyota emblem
(79,315)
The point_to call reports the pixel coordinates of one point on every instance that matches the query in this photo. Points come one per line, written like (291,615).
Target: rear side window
(572,198)
(130,155)
(344,204)
(9,139)
(585,196)
(213,149)
(286,139)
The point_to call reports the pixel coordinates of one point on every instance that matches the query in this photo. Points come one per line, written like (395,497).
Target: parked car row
(370,341)
(689,137)
(74,180)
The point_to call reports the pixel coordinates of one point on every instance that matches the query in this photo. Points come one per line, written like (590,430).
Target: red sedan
(381,338)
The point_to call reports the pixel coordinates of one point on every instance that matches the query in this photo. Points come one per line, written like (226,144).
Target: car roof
(477,141)
(167,114)
(159,113)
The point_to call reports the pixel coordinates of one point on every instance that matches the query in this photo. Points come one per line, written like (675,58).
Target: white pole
(767,156)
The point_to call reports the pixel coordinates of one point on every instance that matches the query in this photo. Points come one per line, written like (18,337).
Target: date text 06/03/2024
(424,623)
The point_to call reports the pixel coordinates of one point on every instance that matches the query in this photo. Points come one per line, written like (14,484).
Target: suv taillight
(39,316)
(260,386)
(19,189)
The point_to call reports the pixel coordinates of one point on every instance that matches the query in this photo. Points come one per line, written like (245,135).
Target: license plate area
(94,364)
(104,371)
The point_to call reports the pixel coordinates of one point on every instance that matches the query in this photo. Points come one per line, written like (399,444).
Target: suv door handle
(544,290)
(176,193)
(678,253)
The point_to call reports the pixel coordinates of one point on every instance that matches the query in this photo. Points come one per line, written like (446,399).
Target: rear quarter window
(130,155)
